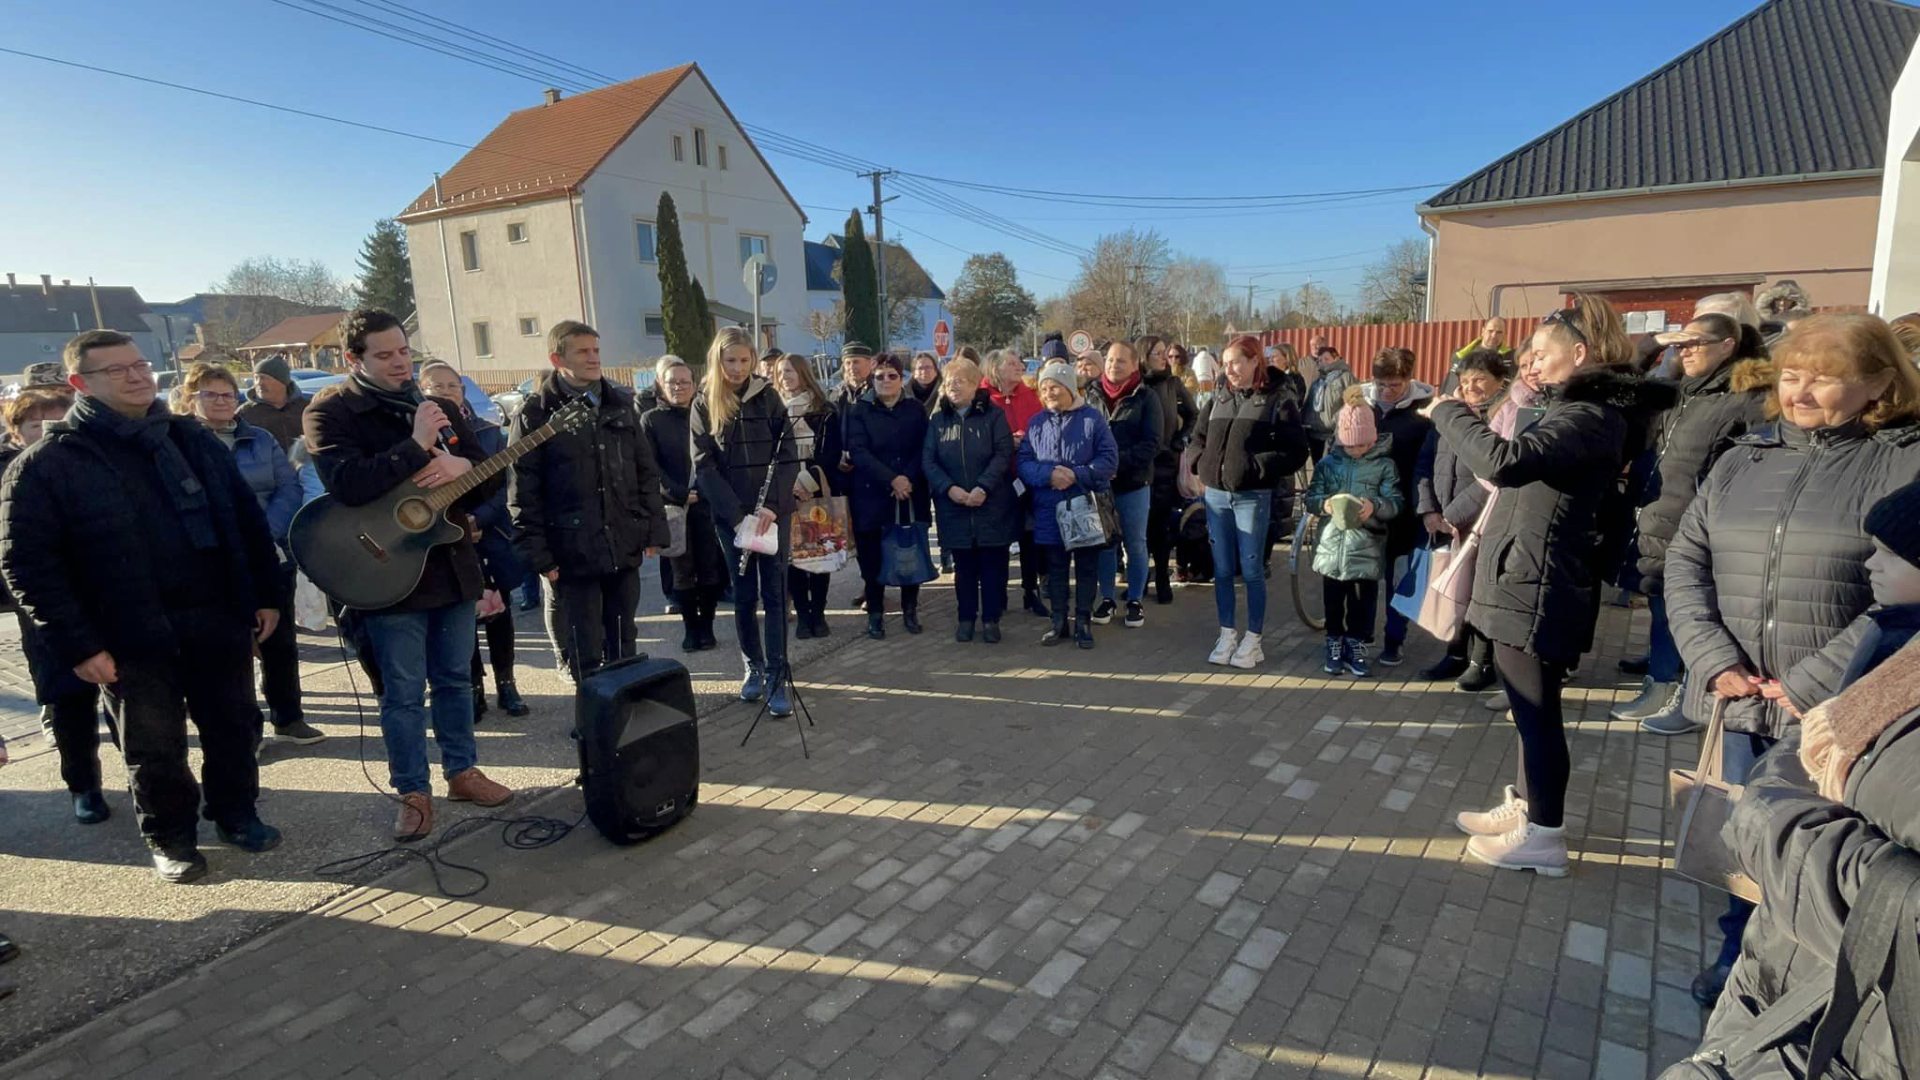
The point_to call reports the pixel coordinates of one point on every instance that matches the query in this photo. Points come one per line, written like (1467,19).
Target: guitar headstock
(574,416)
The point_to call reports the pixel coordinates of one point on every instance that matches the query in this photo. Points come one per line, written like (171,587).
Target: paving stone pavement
(1012,862)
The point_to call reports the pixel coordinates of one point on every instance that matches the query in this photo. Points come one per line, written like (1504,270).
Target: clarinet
(766,484)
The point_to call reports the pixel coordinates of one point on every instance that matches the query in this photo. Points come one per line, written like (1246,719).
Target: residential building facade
(38,318)
(825,310)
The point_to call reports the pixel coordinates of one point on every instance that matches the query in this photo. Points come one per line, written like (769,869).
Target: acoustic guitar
(371,556)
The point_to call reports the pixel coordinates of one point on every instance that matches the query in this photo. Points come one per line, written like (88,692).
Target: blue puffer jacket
(1078,439)
(267,472)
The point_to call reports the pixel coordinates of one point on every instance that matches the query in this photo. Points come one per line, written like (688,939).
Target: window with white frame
(751,244)
(470,250)
(655,326)
(679,148)
(643,239)
(482,339)
(700,147)
(721,151)
(516,232)
(529,326)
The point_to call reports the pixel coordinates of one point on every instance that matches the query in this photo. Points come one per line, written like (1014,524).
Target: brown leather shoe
(416,817)
(473,786)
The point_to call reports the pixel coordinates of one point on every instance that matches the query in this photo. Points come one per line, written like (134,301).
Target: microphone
(447,436)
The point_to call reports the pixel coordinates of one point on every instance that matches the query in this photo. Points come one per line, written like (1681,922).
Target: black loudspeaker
(639,747)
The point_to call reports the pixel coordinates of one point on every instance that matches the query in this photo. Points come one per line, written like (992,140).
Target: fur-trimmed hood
(1753,373)
(1621,389)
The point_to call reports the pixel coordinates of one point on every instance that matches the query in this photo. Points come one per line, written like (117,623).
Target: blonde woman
(738,431)
(968,461)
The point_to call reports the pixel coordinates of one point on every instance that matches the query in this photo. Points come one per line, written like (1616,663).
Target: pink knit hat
(1356,428)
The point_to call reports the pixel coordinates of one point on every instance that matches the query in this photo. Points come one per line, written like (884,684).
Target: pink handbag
(1444,610)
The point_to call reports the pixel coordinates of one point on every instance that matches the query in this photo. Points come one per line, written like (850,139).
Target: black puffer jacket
(1250,440)
(730,465)
(1768,568)
(1713,411)
(887,441)
(1138,427)
(703,563)
(1448,487)
(967,450)
(1177,417)
(1534,580)
(587,501)
(1408,427)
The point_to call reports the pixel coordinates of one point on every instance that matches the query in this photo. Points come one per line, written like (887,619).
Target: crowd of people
(1752,475)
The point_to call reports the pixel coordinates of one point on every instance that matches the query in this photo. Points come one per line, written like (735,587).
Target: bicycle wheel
(1308,601)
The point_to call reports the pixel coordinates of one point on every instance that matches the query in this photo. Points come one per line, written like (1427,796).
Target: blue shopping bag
(906,556)
(1412,588)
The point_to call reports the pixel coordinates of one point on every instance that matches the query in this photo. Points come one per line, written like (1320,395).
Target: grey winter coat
(972,449)
(1712,413)
(1325,398)
(1449,489)
(1768,568)
(1534,579)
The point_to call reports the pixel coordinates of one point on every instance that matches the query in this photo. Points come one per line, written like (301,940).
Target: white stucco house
(1895,290)
(823,296)
(551,217)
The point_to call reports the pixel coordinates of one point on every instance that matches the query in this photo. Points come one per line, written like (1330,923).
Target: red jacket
(1020,406)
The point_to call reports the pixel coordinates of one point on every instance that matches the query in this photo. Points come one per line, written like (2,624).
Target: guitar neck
(442,498)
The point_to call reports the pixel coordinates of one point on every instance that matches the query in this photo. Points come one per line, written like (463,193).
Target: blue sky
(134,184)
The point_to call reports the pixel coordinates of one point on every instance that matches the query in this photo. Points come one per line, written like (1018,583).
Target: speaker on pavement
(639,747)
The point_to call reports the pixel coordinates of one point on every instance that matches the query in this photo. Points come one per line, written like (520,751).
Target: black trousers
(554,615)
(75,720)
(809,593)
(1350,607)
(1033,561)
(499,631)
(599,612)
(980,583)
(151,703)
(1533,693)
(280,660)
(868,545)
(1163,509)
(1086,579)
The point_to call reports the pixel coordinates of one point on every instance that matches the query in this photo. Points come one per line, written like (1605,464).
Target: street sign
(758,276)
(942,338)
(1080,343)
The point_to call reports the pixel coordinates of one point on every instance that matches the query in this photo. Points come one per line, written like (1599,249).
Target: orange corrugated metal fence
(1433,343)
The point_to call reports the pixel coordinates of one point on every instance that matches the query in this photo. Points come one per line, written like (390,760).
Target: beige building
(1754,157)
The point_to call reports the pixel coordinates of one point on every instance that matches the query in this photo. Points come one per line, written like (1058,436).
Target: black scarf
(152,432)
(401,403)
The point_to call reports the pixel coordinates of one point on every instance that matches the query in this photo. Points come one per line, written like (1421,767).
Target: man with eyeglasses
(146,565)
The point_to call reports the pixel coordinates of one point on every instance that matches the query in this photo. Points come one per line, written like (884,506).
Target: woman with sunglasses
(1534,580)
(885,437)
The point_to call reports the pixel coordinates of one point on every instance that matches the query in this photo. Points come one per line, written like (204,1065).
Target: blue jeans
(414,649)
(1663,656)
(762,587)
(1237,533)
(1739,751)
(1133,507)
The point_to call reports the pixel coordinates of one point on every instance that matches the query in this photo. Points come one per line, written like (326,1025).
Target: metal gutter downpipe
(1433,244)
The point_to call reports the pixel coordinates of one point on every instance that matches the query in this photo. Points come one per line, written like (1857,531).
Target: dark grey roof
(1795,88)
(25,309)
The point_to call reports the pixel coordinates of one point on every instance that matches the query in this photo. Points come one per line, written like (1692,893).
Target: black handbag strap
(1883,912)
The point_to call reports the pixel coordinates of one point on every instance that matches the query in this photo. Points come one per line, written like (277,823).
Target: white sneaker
(1511,811)
(1526,847)
(1223,649)
(1249,654)
(1496,701)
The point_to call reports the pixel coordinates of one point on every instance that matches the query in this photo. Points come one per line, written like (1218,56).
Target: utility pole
(880,244)
(1249,301)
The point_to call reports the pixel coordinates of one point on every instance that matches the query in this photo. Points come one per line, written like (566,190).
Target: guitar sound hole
(414,515)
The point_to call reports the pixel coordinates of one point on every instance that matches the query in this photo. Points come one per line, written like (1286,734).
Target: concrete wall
(19,350)
(536,278)
(931,311)
(1820,234)
(743,198)
(1896,251)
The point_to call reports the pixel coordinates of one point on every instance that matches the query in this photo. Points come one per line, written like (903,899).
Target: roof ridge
(678,71)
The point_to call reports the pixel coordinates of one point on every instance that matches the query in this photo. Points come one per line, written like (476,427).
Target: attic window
(700,147)
(679,149)
(516,232)
(722,151)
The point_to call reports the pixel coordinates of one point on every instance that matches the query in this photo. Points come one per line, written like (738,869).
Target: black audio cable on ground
(526,832)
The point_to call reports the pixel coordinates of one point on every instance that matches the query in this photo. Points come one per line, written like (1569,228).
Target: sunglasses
(886,375)
(1568,318)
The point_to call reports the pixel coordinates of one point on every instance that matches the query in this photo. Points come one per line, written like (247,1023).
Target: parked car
(508,401)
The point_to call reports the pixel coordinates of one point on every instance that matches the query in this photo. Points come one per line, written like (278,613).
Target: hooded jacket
(966,449)
(1138,430)
(1768,566)
(1407,426)
(1534,578)
(1250,440)
(1713,412)
(1326,397)
(1077,439)
(1356,554)
(586,502)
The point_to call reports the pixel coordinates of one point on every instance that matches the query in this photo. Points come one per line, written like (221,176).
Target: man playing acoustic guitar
(367,436)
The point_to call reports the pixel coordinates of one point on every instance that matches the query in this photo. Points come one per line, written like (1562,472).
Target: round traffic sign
(1080,342)
(942,338)
(758,273)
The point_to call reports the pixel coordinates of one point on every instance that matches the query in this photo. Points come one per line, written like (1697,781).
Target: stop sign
(942,338)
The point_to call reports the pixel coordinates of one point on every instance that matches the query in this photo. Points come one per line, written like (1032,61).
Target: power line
(431,44)
(1178,201)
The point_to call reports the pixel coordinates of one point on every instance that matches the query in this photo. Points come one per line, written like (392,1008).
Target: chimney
(46,285)
(553,95)
(66,282)
(10,282)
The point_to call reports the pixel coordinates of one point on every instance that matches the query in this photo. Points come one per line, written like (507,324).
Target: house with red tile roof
(551,217)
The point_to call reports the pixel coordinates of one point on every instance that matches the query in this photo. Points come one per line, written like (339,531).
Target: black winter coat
(1251,440)
(586,502)
(887,442)
(1138,429)
(967,450)
(71,545)
(1617,564)
(703,563)
(1409,429)
(362,450)
(1768,568)
(1712,413)
(730,466)
(500,563)
(1177,417)
(1534,579)
(1445,486)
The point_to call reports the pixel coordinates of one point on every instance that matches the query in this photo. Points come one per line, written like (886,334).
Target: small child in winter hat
(1356,429)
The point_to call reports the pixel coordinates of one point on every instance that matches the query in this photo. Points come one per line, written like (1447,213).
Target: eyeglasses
(886,375)
(1568,318)
(216,397)
(1693,345)
(120,371)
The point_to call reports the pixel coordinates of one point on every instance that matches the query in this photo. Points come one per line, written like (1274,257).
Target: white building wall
(1895,290)
(534,278)
(715,207)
